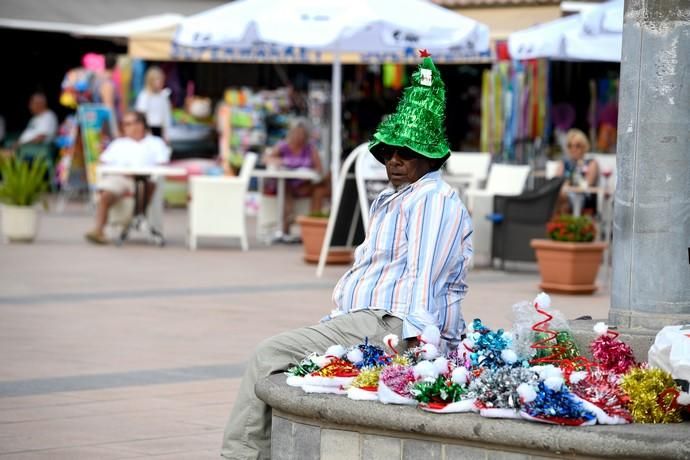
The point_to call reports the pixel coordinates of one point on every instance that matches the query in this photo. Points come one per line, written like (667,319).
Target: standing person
(408,273)
(154,102)
(136,148)
(105,89)
(42,126)
(297,152)
(577,171)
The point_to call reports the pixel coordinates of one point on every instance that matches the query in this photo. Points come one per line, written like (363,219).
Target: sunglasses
(403,154)
(580,146)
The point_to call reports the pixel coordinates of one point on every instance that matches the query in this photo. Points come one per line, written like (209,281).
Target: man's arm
(439,245)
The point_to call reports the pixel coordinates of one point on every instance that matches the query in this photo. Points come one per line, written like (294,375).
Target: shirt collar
(389,192)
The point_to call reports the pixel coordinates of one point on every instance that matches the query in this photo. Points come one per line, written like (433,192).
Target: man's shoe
(96,238)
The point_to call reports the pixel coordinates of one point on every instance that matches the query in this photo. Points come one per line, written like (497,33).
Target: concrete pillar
(651,235)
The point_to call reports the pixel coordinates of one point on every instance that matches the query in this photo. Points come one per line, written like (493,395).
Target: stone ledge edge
(636,440)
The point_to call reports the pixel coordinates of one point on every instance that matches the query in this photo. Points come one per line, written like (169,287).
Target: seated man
(42,126)
(408,273)
(136,149)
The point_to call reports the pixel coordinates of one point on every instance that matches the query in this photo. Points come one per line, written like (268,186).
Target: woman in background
(577,171)
(154,102)
(297,152)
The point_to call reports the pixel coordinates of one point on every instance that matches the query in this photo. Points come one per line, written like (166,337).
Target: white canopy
(343,25)
(383,30)
(593,35)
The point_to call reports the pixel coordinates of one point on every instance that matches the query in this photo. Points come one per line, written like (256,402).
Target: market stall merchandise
(533,372)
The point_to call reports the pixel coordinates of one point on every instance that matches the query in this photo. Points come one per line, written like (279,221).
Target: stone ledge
(630,441)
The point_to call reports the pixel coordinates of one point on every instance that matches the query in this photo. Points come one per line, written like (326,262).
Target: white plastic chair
(216,206)
(367,168)
(503,180)
(465,170)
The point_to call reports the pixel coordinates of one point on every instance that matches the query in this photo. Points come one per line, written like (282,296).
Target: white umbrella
(593,35)
(362,26)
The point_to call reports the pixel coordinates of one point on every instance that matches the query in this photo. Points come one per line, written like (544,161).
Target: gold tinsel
(401,360)
(644,387)
(368,377)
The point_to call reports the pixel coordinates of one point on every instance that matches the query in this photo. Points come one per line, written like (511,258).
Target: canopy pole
(336,111)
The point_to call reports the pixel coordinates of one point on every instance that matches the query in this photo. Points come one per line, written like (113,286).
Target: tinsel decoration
(489,347)
(653,395)
(611,353)
(566,348)
(371,355)
(556,347)
(399,379)
(338,367)
(498,388)
(438,392)
(601,388)
(304,367)
(557,406)
(368,378)
(418,122)
(400,360)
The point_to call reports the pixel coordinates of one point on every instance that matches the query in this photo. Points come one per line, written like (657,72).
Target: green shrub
(23,184)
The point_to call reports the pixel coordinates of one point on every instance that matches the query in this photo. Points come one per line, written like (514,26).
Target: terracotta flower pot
(568,268)
(313,233)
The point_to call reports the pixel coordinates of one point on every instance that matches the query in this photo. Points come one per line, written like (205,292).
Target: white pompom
(321,361)
(425,369)
(431,334)
(684,399)
(460,375)
(441,365)
(391,340)
(601,328)
(429,351)
(509,356)
(577,376)
(355,355)
(543,300)
(468,343)
(554,383)
(526,392)
(336,350)
(508,335)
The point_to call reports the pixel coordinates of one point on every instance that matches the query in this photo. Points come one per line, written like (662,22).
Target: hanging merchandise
(394,76)
(514,109)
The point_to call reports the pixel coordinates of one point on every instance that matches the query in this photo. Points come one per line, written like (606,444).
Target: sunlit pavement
(136,351)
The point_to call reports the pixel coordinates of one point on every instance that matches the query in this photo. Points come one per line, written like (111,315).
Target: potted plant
(313,232)
(569,260)
(23,185)
(235,161)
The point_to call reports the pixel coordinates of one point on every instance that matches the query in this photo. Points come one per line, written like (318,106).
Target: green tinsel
(304,367)
(418,122)
(440,390)
(564,339)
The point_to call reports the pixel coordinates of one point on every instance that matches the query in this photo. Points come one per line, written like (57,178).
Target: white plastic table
(141,174)
(281,175)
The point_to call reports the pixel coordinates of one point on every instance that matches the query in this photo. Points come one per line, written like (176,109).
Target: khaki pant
(248,432)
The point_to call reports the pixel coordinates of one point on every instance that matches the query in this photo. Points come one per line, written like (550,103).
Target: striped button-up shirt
(413,261)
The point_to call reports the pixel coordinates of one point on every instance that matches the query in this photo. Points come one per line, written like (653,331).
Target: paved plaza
(136,352)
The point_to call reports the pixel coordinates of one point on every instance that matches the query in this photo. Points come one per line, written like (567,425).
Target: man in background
(42,126)
(136,148)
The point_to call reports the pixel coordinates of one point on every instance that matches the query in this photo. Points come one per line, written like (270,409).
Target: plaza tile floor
(137,351)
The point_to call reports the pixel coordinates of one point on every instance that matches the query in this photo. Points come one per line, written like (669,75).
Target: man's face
(37,104)
(133,128)
(404,167)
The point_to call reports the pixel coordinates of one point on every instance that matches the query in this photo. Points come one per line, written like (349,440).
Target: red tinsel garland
(610,353)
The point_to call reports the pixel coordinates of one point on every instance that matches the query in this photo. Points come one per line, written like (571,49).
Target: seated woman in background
(297,152)
(577,171)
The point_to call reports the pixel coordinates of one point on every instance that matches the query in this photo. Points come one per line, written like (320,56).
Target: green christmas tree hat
(418,122)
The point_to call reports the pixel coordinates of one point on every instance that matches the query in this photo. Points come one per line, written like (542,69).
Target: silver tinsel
(497,388)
